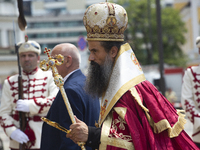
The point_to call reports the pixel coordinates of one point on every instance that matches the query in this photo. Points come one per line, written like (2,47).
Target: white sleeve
(187,99)
(6,108)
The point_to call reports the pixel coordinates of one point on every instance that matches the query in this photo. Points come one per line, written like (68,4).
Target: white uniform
(191,99)
(40,89)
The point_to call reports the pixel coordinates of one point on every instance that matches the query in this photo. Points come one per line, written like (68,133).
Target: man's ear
(69,61)
(113,51)
(38,59)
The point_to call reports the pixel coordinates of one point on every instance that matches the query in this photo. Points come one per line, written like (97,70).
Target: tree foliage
(142,32)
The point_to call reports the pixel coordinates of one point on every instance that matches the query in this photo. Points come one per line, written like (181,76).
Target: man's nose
(91,57)
(26,57)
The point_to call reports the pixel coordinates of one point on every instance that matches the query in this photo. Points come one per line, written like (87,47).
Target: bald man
(84,108)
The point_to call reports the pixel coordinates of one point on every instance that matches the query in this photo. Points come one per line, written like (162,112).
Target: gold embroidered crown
(105,22)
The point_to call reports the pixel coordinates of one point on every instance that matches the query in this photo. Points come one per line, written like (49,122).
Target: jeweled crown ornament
(105,22)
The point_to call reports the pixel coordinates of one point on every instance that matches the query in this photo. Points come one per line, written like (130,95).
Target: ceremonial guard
(39,90)
(190,97)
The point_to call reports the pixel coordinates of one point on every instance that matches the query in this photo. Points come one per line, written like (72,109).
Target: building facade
(190,14)
(49,22)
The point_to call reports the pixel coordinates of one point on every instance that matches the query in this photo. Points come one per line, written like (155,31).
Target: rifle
(22,115)
(22,25)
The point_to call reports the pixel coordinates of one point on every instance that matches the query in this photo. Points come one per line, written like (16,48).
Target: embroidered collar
(32,72)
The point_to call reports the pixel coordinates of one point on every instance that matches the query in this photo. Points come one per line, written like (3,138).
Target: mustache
(93,63)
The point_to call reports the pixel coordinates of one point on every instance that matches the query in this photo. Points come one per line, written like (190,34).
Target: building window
(55,24)
(10,38)
(55,35)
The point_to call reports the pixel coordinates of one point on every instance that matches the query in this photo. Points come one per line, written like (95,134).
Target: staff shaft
(67,104)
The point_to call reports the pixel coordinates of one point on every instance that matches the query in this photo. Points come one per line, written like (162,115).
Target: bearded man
(134,115)
(99,72)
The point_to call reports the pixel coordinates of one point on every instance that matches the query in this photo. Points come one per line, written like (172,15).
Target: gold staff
(51,63)
(54,124)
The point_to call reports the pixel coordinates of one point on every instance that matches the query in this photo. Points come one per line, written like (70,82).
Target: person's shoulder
(46,73)
(76,83)
(195,68)
(78,77)
(79,73)
(12,77)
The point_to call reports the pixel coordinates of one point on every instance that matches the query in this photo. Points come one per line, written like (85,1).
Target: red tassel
(31,135)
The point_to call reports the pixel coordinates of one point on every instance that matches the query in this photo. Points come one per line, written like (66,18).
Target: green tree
(139,36)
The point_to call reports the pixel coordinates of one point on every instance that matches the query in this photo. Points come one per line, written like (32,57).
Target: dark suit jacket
(84,107)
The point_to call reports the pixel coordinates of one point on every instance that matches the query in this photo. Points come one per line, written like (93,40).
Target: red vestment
(135,127)
(135,115)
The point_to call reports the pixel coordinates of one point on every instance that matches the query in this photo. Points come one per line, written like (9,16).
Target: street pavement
(5,139)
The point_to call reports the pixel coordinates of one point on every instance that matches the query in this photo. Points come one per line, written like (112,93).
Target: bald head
(71,55)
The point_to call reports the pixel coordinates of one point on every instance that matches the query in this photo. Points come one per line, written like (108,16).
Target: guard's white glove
(22,105)
(19,136)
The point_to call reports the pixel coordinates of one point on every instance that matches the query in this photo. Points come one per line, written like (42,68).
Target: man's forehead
(28,53)
(94,44)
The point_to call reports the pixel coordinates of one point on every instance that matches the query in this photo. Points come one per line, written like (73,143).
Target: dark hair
(109,44)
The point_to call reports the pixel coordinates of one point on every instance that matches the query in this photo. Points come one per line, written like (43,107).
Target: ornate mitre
(105,22)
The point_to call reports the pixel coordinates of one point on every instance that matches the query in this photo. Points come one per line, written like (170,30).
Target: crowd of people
(114,106)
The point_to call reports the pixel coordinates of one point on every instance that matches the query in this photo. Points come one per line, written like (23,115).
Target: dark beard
(98,77)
